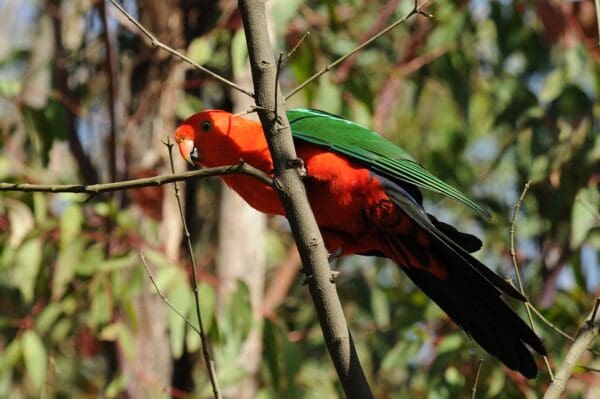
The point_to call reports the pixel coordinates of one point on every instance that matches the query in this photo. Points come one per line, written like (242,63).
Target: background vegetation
(488,95)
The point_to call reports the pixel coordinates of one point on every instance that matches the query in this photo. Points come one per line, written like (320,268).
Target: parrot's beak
(188,151)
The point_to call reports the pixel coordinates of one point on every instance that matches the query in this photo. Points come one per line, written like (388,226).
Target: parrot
(365,193)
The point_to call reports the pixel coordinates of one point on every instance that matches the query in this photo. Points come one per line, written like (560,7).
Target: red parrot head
(205,138)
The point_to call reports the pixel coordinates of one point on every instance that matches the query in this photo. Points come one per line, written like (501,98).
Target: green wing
(369,148)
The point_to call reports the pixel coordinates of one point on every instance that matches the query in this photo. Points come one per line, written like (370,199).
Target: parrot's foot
(334,275)
(297,163)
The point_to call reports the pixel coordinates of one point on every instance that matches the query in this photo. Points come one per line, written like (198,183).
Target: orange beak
(186,145)
(188,151)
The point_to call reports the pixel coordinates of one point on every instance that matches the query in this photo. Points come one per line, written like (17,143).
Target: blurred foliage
(487,95)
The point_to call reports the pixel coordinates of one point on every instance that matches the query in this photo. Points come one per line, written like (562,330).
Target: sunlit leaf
(21,221)
(66,264)
(199,50)
(27,264)
(36,358)
(585,215)
(239,53)
(71,221)
(380,306)
(181,300)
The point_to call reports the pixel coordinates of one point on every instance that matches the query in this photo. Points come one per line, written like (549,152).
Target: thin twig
(293,50)
(156,43)
(210,365)
(590,369)
(513,255)
(416,10)
(280,61)
(585,336)
(548,322)
(93,189)
(474,388)
(165,299)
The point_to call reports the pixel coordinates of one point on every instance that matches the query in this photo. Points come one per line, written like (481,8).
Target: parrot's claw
(297,163)
(334,275)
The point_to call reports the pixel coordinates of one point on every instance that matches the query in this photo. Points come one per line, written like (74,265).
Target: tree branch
(474,387)
(157,43)
(513,255)
(210,364)
(293,198)
(187,321)
(585,336)
(416,10)
(241,168)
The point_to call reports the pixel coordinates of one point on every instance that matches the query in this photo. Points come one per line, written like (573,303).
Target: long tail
(463,287)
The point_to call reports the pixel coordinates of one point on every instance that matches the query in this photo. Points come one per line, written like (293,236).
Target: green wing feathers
(369,148)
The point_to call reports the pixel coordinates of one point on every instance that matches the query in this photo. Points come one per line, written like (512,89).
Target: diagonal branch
(513,255)
(292,194)
(187,321)
(157,43)
(416,10)
(588,331)
(93,189)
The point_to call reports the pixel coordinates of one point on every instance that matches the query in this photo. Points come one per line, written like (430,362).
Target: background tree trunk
(241,257)
(156,85)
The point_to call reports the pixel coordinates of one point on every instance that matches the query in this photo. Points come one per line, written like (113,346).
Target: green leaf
(208,303)
(101,309)
(450,343)
(66,263)
(239,53)
(91,260)
(400,355)
(181,300)
(39,207)
(45,125)
(187,106)
(116,387)
(10,355)
(281,13)
(48,316)
(497,382)
(328,96)
(71,221)
(271,352)
(200,50)
(21,221)
(10,88)
(36,358)
(380,307)
(118,263)
(27,265)
(585,215)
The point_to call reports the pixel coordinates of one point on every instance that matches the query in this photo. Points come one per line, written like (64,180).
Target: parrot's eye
(205,125)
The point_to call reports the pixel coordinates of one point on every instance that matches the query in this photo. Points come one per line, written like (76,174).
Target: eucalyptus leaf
(36,358)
